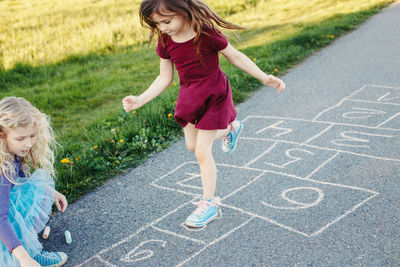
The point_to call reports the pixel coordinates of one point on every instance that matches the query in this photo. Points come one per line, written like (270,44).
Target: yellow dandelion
(169,115)
(95,147)
(78,158)
(276,70)
(174,102)
(65,161)
(174,84)
(121,140)
(108,139)
(254,59)
(112,141)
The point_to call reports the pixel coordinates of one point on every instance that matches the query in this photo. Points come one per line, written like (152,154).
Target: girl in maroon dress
(188,39)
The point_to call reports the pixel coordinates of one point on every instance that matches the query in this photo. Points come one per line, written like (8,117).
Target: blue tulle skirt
(30,205)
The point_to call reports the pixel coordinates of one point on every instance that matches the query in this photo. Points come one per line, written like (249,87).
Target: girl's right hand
(132,102)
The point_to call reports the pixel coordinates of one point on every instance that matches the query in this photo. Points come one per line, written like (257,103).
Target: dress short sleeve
(220,42)
(161,50)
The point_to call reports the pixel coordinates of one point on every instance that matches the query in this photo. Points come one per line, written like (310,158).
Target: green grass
(76,60)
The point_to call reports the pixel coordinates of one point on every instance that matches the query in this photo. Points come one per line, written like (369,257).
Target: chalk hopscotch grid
(262,172)
(330,125)
(99,258)
(252,216)
(381,100)
(306,143)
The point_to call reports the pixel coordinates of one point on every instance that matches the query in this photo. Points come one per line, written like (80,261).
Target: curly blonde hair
(18,112)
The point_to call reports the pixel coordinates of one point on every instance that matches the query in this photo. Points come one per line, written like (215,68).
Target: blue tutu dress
(30,205)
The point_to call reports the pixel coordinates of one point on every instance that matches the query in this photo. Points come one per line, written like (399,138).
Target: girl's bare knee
(190,144)
(191,147)
(201,155)
(190,137)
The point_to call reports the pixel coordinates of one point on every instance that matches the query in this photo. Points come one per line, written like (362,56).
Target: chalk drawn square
(186,178)
(353,170)
(227,220)
(246,149)
(291,159)
(376,93)
(359,113)
(151,247)
(303,206)
(280,129)
(379,143)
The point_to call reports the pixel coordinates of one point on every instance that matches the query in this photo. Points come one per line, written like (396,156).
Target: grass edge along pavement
(125,140)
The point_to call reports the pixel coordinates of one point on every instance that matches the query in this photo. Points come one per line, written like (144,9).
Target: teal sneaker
(51,259)
(229,142)
(207,210)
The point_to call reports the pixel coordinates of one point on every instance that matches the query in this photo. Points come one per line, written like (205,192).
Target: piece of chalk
(46,232)
(68,237)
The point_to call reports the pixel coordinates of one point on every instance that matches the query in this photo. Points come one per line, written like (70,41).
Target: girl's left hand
(273,81)
(60,201)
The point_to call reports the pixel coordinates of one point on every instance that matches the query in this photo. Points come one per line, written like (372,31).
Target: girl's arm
(244,63)
(7,234)
(157,87)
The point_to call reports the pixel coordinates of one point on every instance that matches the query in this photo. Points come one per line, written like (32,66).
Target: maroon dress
(205,96)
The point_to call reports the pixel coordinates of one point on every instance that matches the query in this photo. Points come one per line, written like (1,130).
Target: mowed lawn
(76,60)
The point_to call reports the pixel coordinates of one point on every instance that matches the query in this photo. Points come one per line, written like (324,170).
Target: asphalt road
(314,180)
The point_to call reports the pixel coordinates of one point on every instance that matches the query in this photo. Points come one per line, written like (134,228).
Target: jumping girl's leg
(208,169)
(200,142)
(190,136)
(207,208)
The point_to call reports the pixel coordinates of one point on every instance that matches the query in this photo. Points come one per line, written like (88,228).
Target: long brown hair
(198,13)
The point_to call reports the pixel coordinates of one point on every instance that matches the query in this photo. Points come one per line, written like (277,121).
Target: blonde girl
(188,39)
(26,143)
